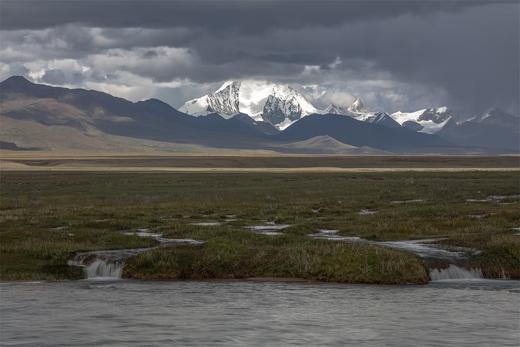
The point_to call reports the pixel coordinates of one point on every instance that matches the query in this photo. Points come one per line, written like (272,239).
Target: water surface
(121,312)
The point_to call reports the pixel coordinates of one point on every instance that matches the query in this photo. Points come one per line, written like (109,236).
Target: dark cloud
(227,15)
(60,77)
(396,54)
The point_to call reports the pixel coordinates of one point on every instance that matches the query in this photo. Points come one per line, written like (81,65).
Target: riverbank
(46,218)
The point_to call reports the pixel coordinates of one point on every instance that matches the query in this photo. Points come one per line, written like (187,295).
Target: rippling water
(97,313)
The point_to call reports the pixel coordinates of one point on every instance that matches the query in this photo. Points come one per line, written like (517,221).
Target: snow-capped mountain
(285,105)
(358,111)
(279,105)
(428,120)
(382,118)
(336,109)
(357,107)
(282,105)
(496,116)
(224,101)
(494,128)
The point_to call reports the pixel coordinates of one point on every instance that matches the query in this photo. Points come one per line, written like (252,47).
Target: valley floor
(249,162)
(46,217)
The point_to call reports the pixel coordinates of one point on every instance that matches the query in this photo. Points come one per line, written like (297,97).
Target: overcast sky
(395,55)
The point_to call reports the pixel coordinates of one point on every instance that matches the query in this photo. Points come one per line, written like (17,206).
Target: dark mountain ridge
(153,119)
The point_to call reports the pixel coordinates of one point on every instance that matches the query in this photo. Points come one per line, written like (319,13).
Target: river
(137,313)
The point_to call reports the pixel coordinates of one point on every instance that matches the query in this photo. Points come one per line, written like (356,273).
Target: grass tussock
(500,257)
(281,257)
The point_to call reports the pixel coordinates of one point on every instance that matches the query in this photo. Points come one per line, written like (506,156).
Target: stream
(108,264)
(427,249)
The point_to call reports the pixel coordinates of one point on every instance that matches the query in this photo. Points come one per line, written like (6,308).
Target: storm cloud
(393,54)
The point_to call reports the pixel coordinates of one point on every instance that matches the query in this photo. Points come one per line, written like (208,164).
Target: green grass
(247,256)
(46,217)
(500,256)
(43,255)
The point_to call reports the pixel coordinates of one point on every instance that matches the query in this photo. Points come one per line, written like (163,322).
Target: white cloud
(336,97)
(335,63)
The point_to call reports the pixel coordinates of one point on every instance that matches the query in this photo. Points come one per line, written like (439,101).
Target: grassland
(47,216)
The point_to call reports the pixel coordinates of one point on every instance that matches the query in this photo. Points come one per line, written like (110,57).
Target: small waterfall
(103,264)
(98,265)
(101,268)
(453,272)
(109,264)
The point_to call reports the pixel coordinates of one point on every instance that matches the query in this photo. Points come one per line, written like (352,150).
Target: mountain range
(238,116)
(281,106)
